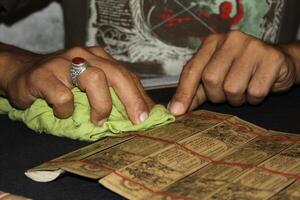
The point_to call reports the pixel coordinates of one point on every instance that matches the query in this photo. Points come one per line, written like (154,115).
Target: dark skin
(232,67)
(25,76)
(236,68)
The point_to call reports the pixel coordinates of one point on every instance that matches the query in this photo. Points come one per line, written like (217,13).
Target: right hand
(48,77)
(233,67)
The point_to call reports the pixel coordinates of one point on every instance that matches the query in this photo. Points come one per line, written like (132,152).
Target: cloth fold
(39,117)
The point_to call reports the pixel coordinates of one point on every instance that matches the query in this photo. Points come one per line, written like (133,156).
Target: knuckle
(63,97)
(232,89)
(97,75)
(257,93)
(276,55)
(209,78)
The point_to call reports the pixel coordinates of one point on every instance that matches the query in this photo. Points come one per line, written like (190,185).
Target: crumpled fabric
(40,118)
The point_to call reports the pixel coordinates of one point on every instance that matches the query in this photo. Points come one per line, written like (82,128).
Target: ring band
(78,66)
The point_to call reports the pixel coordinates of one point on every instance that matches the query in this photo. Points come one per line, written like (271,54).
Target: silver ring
(78,66)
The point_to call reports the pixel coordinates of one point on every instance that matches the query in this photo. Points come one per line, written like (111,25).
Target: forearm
(13,61)
(293,50)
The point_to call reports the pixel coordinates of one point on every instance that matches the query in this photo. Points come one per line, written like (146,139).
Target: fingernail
(101,122)
(143,116)
(176,108)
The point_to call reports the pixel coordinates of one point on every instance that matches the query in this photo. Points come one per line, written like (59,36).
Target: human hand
(48,77)
(233,67)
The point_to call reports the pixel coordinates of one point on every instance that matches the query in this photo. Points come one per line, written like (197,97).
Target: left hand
(27,76)
(233,67)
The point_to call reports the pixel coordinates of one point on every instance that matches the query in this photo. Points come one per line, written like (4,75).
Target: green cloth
(40,117)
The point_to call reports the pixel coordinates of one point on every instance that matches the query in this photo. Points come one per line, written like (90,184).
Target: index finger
(191,75)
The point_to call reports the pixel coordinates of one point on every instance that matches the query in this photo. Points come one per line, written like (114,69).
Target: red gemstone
(78,61)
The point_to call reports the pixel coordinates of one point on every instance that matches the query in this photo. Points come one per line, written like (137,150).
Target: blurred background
(39,30)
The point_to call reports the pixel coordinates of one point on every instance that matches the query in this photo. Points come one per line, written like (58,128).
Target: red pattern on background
(217,22)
